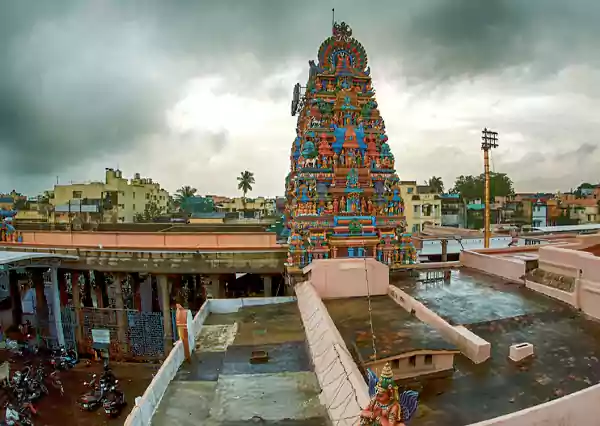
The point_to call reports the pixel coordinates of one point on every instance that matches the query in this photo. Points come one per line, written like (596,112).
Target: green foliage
(579,191)
(472,187)
(183,194)
(151,212)
(436,184)
(245,182)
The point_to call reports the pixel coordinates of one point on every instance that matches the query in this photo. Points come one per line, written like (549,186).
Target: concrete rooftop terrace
(566,345)
(397,331)
(221,387)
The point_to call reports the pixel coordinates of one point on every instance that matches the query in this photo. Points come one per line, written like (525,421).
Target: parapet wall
(471,345)
(344,391)
(510,269)
(577,409)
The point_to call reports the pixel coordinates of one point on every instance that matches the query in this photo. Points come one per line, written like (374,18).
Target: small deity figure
(352,179)
(330,86)
(384,408)
(370,207)
(336,205)
(363,205)
(343,202)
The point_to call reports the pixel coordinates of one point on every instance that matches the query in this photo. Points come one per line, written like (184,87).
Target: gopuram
(343,194)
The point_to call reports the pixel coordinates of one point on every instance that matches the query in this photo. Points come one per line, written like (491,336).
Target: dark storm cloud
(87,79)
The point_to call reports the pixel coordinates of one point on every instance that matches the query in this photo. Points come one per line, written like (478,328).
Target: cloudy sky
(192,92)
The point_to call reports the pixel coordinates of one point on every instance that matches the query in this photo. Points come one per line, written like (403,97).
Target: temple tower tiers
(343,195)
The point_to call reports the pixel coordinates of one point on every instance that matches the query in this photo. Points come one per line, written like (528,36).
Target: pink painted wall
(336,371)
(577,409)
(510,269)
(335,278)
(157,240)
(471,345)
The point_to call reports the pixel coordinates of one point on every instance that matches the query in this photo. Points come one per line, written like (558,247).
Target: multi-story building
(257,207)
(539,213)
(117,198)
(453,210)
(421,206)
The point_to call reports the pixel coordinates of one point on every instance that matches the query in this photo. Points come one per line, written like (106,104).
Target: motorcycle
(114,401)
(91,400)
(19,416)
(56,382)
(64,359)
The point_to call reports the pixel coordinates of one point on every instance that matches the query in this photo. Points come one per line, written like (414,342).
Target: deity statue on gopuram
(343,194)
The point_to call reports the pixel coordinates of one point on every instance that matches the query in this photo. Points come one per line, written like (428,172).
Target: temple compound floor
(566,345)
(222,387)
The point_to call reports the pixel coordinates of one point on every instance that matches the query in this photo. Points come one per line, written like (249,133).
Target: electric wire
(373,338)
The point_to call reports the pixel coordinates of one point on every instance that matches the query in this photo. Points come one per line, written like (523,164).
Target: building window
(147,196)
(416,208)
(428,359)
(121,206)
(134,207)
(133,195)
(77,194)
(409,190)
(412,361)
(396,363)
(121,219)
(416,228)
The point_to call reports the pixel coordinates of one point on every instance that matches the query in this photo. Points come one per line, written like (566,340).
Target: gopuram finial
(342,32)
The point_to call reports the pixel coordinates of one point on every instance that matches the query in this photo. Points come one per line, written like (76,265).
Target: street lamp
(489,140)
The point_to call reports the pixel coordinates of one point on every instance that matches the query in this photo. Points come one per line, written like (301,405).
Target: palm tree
(435,184)
(245,182)
(183,194)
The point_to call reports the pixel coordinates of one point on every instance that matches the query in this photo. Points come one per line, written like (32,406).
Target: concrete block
(520,351)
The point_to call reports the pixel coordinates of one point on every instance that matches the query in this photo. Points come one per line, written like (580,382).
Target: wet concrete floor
(566,345)
(221,387)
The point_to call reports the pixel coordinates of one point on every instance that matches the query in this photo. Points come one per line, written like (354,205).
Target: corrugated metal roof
(17,256)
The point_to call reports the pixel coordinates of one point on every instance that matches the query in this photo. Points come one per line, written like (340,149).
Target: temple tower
(343,195)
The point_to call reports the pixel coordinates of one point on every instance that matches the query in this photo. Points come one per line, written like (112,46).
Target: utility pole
(489,140)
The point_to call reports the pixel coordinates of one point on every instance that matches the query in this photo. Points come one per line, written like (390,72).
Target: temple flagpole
(332,18)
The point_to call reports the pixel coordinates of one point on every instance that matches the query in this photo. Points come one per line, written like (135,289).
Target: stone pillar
(146,294)
(62,286)
(76,295)
(444,250)
(15,298)
(41,305)
(117,285)
(136,283)
(56,308)
(267,290)
(216,287)
(181,319)
(164,297)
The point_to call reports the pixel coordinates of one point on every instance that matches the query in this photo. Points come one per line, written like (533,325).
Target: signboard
(100,339)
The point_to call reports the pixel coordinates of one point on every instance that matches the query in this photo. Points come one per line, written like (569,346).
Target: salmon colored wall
(331,359)
(471,345)
(577,409)
(334,278)
(156,240)
(510,269)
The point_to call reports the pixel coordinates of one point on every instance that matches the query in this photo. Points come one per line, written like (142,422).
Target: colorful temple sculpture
(7,230)
(343,194)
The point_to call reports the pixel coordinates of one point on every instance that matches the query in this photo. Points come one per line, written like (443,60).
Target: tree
(435,184)
(183,194)
(579,192)
(151,212)
(245,182)
(472,187)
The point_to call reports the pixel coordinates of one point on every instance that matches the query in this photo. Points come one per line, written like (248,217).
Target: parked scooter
(91,400)
(114,401)
(19,416)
